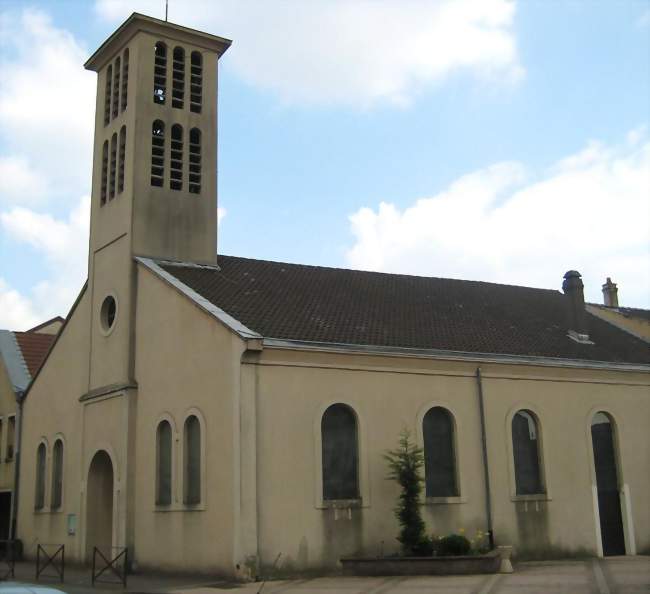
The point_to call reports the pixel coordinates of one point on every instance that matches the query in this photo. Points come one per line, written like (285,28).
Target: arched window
(178,77)
(104,186)
(157,153)
(57,475)
(116,86)
(122,156)
(125,79)
(107,95)
(111,184)
(176,159)
(195,161)
(340,453)
(439,454)
(192,461)
(525,448)
(41,454)
(164,463)
(196,82)
(160,73)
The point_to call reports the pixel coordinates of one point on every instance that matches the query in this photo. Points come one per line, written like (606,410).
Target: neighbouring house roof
(627,312)
(34,346)
(330,305)
(13,360)
(51,321)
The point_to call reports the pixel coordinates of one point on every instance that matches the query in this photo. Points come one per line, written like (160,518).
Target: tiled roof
(329,305)
(34,346)
(628,312)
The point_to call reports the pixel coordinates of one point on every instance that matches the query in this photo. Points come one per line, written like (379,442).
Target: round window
(108,313)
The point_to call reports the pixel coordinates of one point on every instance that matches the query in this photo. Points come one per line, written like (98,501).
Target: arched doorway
(607,484)
(99,504)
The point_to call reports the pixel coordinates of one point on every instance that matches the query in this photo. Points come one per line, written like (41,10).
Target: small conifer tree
(405,464)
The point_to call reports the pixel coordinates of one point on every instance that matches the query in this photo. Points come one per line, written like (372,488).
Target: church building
(212,412)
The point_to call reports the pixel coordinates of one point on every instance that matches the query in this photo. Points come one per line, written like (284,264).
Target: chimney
(610,293)
(575,303)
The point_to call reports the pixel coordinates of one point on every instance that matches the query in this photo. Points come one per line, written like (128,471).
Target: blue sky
(495,140)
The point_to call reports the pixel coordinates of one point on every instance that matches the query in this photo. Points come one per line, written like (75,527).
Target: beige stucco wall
(7,409)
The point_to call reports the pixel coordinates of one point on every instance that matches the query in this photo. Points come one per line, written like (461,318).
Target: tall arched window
(178,77)
(104,181)
(176,158)
(57,475)
(122,157)
(340,453)
(439,454)
(41,454)
(125,79)
(116,86)
(157,153)
(192,461)
(525,448)
(113,166)
(195,161)
(107,94)
(196,82)
(160,73)
(164,463)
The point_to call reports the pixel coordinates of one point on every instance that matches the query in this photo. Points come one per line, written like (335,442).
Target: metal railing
(56,560)
(116,563)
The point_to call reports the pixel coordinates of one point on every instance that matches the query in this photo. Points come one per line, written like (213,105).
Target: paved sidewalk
(614,575)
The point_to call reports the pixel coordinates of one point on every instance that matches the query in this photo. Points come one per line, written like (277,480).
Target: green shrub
(424,548)
(453,546)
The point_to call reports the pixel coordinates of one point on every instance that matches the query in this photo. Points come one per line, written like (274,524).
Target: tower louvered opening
(107,95)
(122,156)
(178,78)
(157,153)
(195,161)
(176,158)
(116,86)
(111,193)
(104,181)
(125,79)
(160,73)
(196,82)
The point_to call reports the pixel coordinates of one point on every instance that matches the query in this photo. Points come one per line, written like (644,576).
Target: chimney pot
(610,293)
(573,288)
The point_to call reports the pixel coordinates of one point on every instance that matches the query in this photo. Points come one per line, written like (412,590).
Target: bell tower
(154,186)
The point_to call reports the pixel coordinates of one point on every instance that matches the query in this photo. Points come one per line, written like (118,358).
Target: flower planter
(462,565)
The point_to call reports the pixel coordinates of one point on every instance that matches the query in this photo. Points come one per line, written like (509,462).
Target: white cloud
(63,245)
(588,212)
(46,111)
(351,52)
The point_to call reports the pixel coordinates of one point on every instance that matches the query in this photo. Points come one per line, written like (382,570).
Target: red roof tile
(34,346)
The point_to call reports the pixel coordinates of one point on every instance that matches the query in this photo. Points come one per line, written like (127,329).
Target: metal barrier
(7,559)
(117,568)
(56,560)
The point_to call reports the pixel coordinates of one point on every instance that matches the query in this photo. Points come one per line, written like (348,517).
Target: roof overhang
(140,22)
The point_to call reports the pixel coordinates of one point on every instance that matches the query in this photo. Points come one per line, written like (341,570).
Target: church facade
(216,412)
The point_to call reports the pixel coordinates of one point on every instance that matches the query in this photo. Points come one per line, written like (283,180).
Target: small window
(196,82)
(104,181)
(192,461)
(57,475)
(340,453)
(125,79)
(157,153)
(11,437)
(176,160)
(195,161)
(113,165)
(164,463)
(178,78)
(116,86)
(160,73)
(439,454)
(525,447)
(41,453)
(122,156)
(108,313)
(107,95)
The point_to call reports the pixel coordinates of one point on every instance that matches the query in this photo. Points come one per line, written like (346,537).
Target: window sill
(341,503)
(179,507)
(445,500)
(534,497)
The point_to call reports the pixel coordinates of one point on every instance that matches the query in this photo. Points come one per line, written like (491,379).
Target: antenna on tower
(166,9)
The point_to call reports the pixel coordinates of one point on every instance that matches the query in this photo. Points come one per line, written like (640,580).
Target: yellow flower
(461,530)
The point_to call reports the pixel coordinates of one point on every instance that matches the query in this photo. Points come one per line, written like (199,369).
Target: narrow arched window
(116,86)
(195,161)
(122,157)
(196,82)
(57,475)
(125,79)
(104,181)
(192,461)
(340,453)
(113,166)
(176,158)
(160,73)
(439,453)
(41,454)
(164,463)
(107,95)
(525,448)
(157,153)
(178,78)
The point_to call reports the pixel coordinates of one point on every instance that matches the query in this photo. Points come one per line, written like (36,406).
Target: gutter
(13,512)
(486,469)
